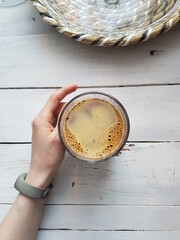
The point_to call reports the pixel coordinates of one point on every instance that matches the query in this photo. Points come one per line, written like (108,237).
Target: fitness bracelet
(30,191)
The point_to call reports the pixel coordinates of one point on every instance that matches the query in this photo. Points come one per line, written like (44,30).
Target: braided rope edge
(123,40)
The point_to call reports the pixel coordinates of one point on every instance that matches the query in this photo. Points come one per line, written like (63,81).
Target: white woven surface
(108,17)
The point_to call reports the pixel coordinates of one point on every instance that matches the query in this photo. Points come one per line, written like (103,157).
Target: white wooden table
(135,195)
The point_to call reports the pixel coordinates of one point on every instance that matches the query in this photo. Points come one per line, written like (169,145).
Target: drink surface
(94,129)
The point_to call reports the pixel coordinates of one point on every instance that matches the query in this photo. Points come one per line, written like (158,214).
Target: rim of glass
(125,118)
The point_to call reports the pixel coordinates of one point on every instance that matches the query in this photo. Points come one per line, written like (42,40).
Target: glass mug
(93,126)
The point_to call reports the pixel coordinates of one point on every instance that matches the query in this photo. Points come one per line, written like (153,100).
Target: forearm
(22,220)
(24,217)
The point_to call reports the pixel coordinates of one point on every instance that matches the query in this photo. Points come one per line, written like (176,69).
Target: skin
(23,218)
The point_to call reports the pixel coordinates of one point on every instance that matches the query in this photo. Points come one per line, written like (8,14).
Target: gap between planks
(103,230)
(104,86)
(102,204)
(129,142)
(99,204)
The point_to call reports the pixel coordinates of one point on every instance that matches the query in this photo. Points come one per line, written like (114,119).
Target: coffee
(93,129)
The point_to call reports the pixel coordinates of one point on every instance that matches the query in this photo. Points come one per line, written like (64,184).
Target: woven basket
(110,22)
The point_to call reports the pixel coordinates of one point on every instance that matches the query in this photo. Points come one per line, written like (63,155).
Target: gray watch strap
(30,191)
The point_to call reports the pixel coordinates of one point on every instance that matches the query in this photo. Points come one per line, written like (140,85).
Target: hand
(47,150)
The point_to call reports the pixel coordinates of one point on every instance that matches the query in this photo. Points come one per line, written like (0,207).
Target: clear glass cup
(93,95)
(9,3)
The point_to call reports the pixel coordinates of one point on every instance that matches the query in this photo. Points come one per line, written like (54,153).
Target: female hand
(47,150)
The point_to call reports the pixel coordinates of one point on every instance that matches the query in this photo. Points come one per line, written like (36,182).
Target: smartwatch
(30,191)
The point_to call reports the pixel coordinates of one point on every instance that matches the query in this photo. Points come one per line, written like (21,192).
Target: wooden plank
(143,174)
(115,218)
(35,55)
(112,235)
(53,60)
(153,111)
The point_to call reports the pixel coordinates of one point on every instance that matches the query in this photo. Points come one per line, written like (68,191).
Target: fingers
(59,108)
(57,113)
(54,100)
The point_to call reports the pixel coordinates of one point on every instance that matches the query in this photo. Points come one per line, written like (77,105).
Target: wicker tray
(110,22)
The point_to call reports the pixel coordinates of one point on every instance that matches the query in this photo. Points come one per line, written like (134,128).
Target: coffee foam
(94,128)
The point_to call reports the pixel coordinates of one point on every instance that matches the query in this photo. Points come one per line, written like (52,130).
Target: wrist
(39,180)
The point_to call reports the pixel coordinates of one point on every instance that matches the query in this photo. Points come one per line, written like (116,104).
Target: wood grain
(153,112)
(143,174)
(35,55)
(113,218)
